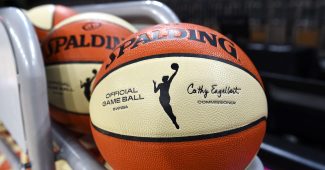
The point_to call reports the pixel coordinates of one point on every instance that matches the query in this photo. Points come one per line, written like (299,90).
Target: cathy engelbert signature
(214,89)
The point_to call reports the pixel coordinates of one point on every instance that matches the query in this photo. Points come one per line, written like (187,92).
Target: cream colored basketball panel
(68,85)
(206,96)
(97,16)
(42,16)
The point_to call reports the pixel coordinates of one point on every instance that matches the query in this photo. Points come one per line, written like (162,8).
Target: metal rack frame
(32,96)
(152,10)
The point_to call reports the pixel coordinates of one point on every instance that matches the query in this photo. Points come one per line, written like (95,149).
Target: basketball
(73,52)
(45,17)
(178,96)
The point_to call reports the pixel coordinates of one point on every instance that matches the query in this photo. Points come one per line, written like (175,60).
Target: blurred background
(286,41)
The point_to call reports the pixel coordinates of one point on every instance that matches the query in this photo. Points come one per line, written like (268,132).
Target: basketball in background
(178,96)
(73,53)
(45,17)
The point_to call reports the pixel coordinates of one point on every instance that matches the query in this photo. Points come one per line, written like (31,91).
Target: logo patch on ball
(164,97)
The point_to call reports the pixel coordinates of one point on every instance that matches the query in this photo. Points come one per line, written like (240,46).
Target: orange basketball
(73,52)
(45,17)
(178,96)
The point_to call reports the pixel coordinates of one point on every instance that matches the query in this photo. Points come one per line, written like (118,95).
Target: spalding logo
(61,43)
(91,26)
(175,33)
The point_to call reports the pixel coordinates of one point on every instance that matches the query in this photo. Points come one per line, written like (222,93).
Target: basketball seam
(179,55)
(41,29)
(69,112)
(179,139)
(92,20)
(53,18)
(73,62)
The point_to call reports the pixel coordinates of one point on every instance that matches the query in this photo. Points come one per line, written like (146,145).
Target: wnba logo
(164,97)
(87,84)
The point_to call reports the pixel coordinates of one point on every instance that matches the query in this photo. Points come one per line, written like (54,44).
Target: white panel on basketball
(97,16)
(42,16)
(64,83)
(145,116)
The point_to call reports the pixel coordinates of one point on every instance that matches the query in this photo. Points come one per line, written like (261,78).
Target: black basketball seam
(179,139)
(180,55)
(74,62)
(69,112)
(40,28)
(53,18)
(92,20)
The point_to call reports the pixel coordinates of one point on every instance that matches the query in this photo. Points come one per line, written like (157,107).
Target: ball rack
(23,89)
